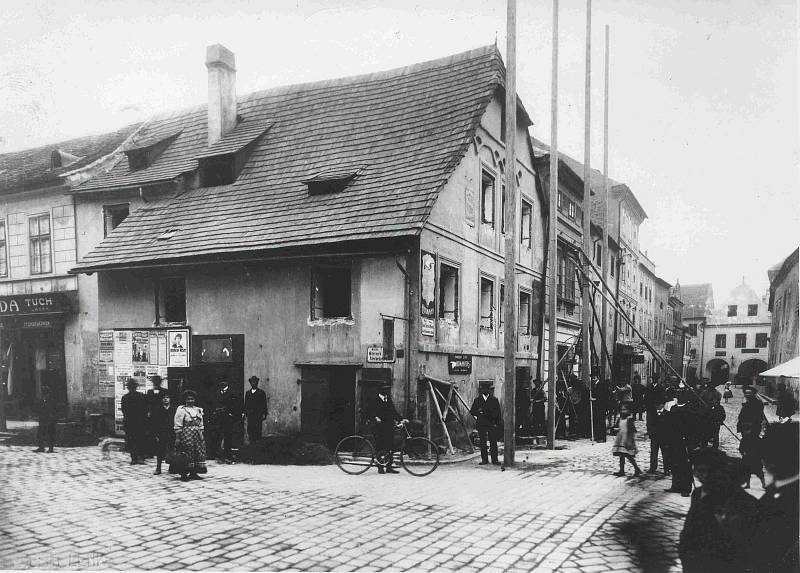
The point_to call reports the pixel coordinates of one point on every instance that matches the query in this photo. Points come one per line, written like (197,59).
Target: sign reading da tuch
(43,303)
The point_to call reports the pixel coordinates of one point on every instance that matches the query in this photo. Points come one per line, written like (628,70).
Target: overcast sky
(703,107)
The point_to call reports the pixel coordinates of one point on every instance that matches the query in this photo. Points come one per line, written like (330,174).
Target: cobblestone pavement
(555,511)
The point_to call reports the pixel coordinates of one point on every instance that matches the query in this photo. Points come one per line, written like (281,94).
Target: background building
(783,303)
(698,302)
(736,344)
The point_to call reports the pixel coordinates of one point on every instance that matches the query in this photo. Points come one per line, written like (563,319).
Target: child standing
(624,443)
(750,448)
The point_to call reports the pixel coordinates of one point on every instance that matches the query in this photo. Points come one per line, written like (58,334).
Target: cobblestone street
(556,511)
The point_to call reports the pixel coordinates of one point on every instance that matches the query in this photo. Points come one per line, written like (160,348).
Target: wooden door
(314,410)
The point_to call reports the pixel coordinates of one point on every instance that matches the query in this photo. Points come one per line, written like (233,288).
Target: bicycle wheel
(354,455)
(420,456)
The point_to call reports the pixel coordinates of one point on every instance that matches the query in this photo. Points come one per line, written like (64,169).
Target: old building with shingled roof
(333,235)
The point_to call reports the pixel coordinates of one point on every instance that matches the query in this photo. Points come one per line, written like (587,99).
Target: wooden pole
(553,234)
(587,216)
(510,334)
(441,417)
(605,250)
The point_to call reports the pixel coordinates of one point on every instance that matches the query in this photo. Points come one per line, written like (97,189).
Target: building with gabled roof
(48,318)
(335,234)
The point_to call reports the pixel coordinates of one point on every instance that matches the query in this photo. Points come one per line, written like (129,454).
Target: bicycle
(418,456)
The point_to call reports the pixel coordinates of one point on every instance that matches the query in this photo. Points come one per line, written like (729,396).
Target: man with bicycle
(385,416)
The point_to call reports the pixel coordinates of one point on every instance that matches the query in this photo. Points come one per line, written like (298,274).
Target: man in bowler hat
(255,408)
(486,409)
(227,413)
(48,415)
(385,416)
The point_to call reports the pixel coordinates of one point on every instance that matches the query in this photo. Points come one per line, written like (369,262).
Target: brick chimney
(221,65)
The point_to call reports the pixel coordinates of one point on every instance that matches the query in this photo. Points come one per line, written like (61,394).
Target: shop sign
(38,323)
(749,350)
(720,353)
(45,303)
(376,354)
(637,359)
(428,327)
(459,364)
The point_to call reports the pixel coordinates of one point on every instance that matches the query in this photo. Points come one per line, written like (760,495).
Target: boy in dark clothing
(162,420)
(385,416)
(48,416)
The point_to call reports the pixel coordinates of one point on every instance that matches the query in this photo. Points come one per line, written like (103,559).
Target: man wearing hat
(486,409)
(385,415)
(255,408)
(134,419)
(227,413)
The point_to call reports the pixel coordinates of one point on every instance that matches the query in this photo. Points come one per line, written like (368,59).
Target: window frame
(315,269)
(762,336)
(441,312)
(488,174)
(720,341)
(161,300)
(528,316)
(523,240)
(740,340)
(733,310)
(752,310)
(35,241)
(4,271)
(108,210)
(491,316)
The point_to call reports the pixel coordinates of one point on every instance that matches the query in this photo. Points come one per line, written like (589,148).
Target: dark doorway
(34,359)
(749,369)
(522,402)
(327,404)
(718,371)
(215,358)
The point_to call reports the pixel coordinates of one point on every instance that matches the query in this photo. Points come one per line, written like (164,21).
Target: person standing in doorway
(48,415)
(228,413)
(385,416)
(134,416)
(255,408)
(486,410)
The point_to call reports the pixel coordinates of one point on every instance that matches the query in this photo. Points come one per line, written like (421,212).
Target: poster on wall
(162,349)
(123,347)
(140,348)
(427,299)
(153,347)
(106,346)
(106,381)
(178,341)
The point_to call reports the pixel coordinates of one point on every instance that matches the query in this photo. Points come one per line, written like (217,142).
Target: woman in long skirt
(190,445)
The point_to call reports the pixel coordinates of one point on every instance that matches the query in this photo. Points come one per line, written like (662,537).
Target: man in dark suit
(486,409)
(48,414)
(680,437)
(255,408)
(227,413)
(162,421)
(385,416)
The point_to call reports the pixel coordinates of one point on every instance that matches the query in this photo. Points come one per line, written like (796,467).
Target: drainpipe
(407,315)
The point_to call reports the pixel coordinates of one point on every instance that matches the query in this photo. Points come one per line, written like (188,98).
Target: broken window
(487,303)
(740,340)
(113,215)
(524,312)
(39,232)
(526,225)
(171,300)
(331,292)
(448,292)
(487,197)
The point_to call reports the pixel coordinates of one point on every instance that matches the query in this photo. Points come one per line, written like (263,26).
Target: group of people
(183,435)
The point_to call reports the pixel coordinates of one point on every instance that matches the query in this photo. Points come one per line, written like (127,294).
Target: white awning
(789,369)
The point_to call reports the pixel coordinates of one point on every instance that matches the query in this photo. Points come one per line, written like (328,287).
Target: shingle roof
(31,168)
(406,128)
(697,300)
(240,136)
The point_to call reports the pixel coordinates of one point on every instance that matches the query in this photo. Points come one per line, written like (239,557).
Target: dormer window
(145,151)
(60,159)
(222,162)
(330,181)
